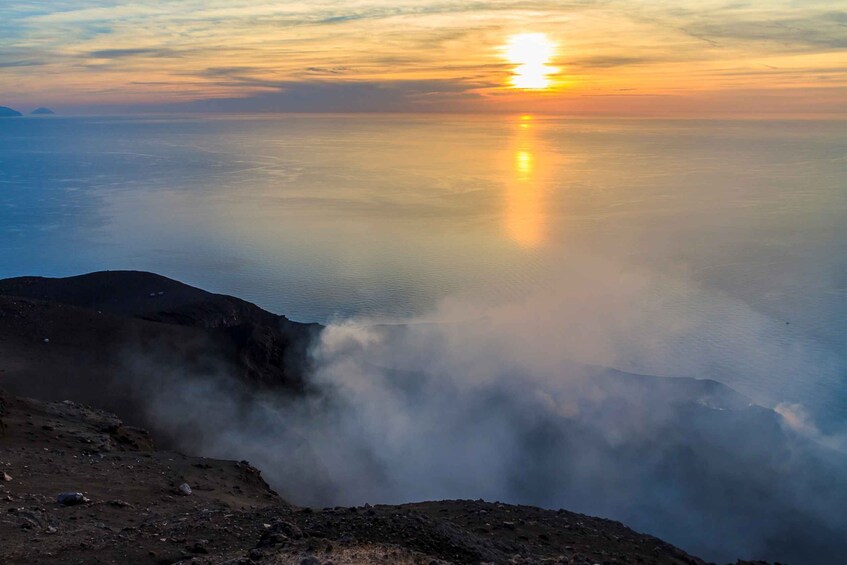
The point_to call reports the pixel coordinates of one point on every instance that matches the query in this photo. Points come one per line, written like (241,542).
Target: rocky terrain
(75,344)
(77,338)
(135,510)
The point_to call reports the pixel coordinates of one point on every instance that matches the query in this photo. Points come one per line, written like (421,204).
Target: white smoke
(510,402)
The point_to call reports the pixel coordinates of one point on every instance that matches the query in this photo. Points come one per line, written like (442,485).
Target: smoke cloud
(526,402)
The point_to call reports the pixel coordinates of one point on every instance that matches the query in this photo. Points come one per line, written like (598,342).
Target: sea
(719,246)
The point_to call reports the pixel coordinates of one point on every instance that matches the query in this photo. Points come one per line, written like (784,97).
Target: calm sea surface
(320,217)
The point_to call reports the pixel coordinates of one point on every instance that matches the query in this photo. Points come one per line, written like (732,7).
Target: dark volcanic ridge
(51,328)
(112,340)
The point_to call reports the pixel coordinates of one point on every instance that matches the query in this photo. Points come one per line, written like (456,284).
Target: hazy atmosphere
(423,282)
(615,57)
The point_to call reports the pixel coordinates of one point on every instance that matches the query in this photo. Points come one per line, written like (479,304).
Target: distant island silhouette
(42,112)
(8,112)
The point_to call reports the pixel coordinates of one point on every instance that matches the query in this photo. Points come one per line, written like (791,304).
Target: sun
(530,53)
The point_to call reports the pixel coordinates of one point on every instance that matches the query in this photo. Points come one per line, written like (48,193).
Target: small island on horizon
(6,112)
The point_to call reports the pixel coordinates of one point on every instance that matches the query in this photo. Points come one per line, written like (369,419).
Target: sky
(602,57)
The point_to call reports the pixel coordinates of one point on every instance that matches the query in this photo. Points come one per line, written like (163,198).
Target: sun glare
(531,54)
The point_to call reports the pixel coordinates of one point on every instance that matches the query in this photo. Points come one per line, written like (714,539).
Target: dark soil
(136,512)
(70,338)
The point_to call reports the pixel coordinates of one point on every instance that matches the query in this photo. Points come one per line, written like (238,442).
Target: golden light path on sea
(525,199)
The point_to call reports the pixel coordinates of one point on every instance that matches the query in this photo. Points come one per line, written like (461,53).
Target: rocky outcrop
(125,502)
(114,339)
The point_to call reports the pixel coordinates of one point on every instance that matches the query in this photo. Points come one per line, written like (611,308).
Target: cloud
(328,70)
(814,32)
(608,62)
(324,96)
(798,418)
(506,401)
(340,19)
(13,64)
(97,53)
(136,52)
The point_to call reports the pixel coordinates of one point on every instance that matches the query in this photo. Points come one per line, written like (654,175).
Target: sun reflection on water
(524,212)
(523,163)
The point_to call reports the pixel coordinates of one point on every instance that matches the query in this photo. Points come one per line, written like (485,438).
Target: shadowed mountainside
(77,338)
(170,357)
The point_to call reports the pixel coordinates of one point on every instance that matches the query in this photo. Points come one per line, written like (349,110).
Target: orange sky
(619,57)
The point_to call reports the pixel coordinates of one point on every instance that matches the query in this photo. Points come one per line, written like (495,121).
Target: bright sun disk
(531,53)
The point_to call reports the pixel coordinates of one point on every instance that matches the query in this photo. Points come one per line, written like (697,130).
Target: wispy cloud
(14,64)
(323,96)
(157,52)
(137,52)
